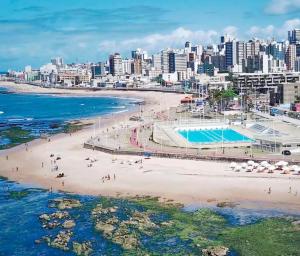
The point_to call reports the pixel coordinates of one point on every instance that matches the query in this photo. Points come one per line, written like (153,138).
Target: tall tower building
(177,62)
(294,36)
(115,65)
(291,57)
(156,62)
(241,52)
(230,53)
(165,61)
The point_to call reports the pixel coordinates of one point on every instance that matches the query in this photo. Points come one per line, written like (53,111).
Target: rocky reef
(65,203)
(146,226)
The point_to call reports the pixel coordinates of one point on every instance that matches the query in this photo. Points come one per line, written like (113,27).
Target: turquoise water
(42,114)
(20,225)
(213,136)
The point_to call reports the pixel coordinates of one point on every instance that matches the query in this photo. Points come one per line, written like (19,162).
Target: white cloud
(282,6)
(231,31)
(262,32)
(175,38)
(270,31)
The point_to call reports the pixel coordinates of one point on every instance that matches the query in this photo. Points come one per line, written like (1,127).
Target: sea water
(46,114)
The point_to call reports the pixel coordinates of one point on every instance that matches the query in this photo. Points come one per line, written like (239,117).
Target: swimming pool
(207,136)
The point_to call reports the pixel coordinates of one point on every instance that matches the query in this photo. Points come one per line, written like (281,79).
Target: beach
(184,181)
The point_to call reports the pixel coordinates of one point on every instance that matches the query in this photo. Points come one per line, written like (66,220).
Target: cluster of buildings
(254,66)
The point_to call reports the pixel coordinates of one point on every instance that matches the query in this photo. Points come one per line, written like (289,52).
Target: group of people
(108,178)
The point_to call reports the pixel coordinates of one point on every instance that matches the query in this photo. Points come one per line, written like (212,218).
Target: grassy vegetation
(270,237)
(16,136)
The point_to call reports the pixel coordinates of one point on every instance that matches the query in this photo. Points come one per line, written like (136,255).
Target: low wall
(238,159)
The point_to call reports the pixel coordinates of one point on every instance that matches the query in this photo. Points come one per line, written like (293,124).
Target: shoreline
(185,181)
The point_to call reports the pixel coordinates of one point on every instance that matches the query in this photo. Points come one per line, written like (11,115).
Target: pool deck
(167,134)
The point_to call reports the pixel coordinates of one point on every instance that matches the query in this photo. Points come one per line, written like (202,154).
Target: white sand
(185,181)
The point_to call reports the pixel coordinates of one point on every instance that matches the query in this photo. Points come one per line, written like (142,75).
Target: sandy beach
(185,181)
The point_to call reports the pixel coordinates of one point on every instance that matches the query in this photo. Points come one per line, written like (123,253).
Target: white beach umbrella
(250,162)
(244,165)
(281,163)
(256,165)
(237,168)
(233,165)
(260,168)
(264,163)
(249,168)
(286,169)
(294,168)
(271,168)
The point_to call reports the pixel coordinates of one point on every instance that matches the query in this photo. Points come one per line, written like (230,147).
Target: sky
(34,31)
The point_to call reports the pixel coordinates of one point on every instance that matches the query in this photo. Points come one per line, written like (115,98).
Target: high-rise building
(240,52)
(98,70)
(177,62)
(58,61)
(298,50)
(165,61)
(188,47)
(127,66)
(115,65)
(156,62)
(138,65)
(297,64)
(230,53)
(294,36)
(276,50)
(291,57)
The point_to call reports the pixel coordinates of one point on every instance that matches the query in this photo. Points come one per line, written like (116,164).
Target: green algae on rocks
(16,136)
(145,226)
(270,237)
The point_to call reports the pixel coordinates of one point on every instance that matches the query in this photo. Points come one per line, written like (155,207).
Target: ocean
(32,115)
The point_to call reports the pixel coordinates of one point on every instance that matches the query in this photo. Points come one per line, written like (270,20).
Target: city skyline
(34,32)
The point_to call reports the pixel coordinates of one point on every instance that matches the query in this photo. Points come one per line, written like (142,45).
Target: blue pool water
(213,136)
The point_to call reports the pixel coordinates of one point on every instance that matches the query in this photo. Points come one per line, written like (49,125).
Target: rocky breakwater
(124,232)
(62,219)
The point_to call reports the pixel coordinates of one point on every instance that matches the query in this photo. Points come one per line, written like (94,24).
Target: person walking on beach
(114,176)
(290,190)
(17,168)
(42,164)
(270,190)
(7,157)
